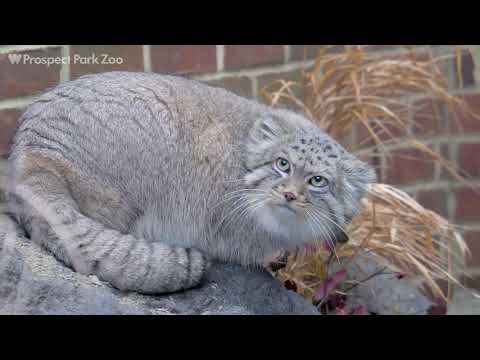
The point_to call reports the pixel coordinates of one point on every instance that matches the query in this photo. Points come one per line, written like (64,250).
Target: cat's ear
(354,176)
(269,129)
(356,171)
(265,134)
(275,126)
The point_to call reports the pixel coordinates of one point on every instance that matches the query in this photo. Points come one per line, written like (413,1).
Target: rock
(33,282)
(465,302)
(383,294)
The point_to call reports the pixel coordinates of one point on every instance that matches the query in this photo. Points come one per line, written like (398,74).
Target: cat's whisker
(250,207)
(251,199)
(233,198)
(243,192)
(329,236)
(246,191)
(320,217)
(236,209)
(332,221)
(314,233)
(241,210)
(325,235)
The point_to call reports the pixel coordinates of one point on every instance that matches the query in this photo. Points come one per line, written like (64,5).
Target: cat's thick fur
(140,178)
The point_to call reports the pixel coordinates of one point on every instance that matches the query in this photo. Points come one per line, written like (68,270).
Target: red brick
(434,200)
(8,123)
(409,166)
(268,80)
(472,283)
(467,207)
(130,58)
(445,153)
(304,52)
(183,59)
(365,138)
(307,52)
(240,85)
(469,159)
(239,56)
(472,238)
(468,123)
(392,128)
(428,117)
(27,78)
(369,158)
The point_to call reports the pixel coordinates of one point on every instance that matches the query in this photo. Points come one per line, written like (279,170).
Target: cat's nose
(289,196)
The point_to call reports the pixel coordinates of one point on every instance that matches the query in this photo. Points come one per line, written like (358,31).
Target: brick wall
(246,69)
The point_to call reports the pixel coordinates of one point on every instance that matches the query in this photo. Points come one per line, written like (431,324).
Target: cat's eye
(283,165)
(318,181)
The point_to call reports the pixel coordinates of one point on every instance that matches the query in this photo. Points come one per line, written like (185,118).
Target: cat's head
(305,186)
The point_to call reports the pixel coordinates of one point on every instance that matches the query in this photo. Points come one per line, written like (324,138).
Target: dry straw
(357,89)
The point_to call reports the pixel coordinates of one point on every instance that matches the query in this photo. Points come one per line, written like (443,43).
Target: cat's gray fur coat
(141,178)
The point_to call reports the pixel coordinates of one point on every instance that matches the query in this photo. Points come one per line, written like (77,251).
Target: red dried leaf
(328,247)
(341,311)
(439,307)
(311,248)
(329,285)
(357,310)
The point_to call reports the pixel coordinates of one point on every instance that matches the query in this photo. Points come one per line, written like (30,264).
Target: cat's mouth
(287,208)
(283,206)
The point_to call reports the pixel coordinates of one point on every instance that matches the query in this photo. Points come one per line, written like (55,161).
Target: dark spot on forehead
(327,148)
(319,158)
(333,156)
(311,162)
(295,147)
(312,149)
(303,151)
(303,141)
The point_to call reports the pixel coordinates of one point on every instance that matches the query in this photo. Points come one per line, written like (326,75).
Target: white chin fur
(284,223)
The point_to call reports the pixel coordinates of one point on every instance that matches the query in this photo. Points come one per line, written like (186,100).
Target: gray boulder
(34,282)
(379,291)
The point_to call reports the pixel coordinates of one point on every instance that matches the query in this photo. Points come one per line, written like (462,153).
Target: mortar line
(16,103)
(220,53)
(65,69)
(439,185)
(286,54)
(257,71)
(147,58)
(4,49)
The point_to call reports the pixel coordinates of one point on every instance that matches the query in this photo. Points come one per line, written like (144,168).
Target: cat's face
(305,186)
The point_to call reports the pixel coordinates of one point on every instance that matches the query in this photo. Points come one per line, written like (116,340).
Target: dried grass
(358,88)
(418,243)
